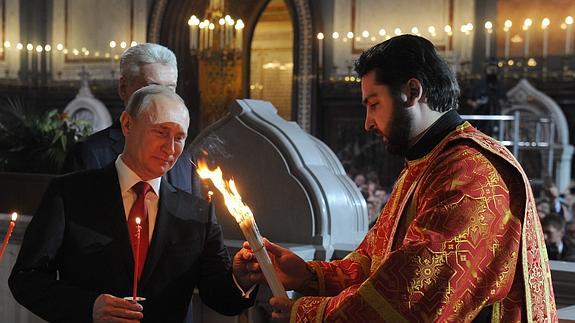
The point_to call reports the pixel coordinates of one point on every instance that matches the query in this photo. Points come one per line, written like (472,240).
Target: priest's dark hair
(401,58)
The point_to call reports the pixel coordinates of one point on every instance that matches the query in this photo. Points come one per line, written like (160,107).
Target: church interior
(274,100)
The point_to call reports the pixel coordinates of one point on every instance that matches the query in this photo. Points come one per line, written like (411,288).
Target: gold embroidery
(363,261)
(385,310)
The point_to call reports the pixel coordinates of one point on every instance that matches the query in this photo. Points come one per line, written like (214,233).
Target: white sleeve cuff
(245,294)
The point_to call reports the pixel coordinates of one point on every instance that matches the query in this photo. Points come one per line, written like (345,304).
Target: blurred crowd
(555,210)
(375,195)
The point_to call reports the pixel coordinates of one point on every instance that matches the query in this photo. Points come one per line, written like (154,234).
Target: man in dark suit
(140,65)
(77,258)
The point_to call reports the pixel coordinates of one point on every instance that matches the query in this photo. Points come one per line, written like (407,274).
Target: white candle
(29,48)
(239,31)
(568,31)
(193,23)
(221,28)
(506,28)
(449,33)
(252,235)
(544,24)
(48,51)
(211,28)
(488,31)
(320,37)
(526,24)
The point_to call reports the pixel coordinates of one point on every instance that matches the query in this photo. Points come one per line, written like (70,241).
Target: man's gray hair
(147,53)
(140,100)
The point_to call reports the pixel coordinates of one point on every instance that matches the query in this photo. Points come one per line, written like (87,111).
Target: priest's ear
(414,91)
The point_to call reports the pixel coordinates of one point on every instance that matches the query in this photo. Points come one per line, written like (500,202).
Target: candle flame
(238,209)
(138,221)
(14,216)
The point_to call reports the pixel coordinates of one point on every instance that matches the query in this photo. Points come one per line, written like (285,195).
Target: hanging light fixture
(216,40)
(217,35)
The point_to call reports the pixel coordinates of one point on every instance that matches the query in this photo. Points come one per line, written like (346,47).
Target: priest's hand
(108,308)
(291,269)
(281,309)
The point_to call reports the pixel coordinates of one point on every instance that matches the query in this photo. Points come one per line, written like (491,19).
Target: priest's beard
(400,128)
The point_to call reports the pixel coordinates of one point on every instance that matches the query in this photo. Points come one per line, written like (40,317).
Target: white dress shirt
(127,179)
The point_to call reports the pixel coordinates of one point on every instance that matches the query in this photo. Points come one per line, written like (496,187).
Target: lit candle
(7,45)
(488,31)
(205,40)
(244,216)
(29,48)
(137,262)
(568,31)
(39,50)
(544,24)
(506,28)
(8,234)
(230,23)
(462,48)
(113,65)
(320,49)
(239,30)
(526,24)
(48,50)
(221,29)
(449,33)
(211,28)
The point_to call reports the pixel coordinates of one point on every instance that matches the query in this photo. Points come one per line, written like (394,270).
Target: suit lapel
(167,207)
(113,208)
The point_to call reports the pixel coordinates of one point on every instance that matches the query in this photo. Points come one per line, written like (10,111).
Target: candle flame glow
(238,209)
(14,216)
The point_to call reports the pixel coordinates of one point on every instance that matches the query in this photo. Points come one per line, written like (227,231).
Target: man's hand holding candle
(108,308)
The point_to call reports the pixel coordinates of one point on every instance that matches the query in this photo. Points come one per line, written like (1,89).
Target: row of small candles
(11,226)
(466,30)
(59,49)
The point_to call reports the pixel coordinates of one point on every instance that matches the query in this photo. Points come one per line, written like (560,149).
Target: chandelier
(216,44)
(217,35)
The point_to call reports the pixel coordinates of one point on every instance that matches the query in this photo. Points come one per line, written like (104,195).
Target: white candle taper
(506,27)
(544,24)
(488,31)
(243,215)
(569,23)
(526,25)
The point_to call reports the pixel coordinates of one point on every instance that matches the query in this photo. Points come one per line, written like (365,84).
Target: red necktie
(140,210)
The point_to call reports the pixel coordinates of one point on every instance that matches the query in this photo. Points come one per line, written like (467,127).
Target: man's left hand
(281,309)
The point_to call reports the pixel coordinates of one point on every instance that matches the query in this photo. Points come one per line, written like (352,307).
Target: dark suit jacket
(77,247)
(103,147)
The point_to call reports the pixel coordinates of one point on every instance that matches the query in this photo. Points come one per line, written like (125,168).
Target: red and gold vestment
(459,232)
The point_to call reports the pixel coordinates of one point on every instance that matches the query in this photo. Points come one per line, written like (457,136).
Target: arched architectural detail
(156,17)
(304,75)
(525,98)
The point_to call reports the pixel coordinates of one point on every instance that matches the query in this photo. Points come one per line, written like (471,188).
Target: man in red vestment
(459,239)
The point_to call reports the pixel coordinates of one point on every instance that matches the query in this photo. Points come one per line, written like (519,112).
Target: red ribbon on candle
(137,262)
(8,234)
